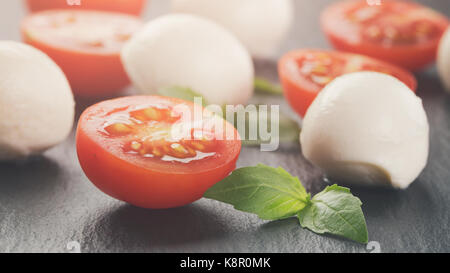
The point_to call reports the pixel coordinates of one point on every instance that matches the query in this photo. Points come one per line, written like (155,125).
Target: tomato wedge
(304,73)
(86,45)
(129,149)
(134,7)
(400,32)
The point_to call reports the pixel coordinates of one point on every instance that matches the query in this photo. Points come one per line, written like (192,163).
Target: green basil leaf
(271,193)
(263,86)
(181,93)
(335,211)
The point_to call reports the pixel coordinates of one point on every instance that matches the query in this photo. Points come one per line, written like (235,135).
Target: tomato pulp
(86,45)
(127,147)
(400,32)
(134,7)
(304,73)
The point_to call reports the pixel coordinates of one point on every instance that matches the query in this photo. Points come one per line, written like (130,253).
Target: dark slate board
(47,202)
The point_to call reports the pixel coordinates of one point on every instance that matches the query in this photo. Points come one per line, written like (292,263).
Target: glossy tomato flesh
(304,73)
(86,45)
(400,32)
(129,149)
(134,7)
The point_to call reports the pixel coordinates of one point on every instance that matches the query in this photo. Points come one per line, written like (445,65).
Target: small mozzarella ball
(36,102)
(443,60)
(367,128)
(261,25)
(189,51)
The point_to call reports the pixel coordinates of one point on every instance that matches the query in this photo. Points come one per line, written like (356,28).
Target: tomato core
(148,132)
(90,31)
(321,67)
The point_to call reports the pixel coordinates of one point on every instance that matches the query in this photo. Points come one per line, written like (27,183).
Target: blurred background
(47,203)
(306,31)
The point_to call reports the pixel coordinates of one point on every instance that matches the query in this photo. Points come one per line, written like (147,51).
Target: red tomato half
(134,7)
(127,147)
(304,73)
(400,32)
(86,45)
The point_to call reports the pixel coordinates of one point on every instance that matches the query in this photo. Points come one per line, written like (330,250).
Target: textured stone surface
(47,202)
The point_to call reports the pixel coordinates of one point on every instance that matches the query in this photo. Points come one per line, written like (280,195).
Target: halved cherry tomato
(400,32)
(129,149)
(304,73)
(134,7)
(86,45)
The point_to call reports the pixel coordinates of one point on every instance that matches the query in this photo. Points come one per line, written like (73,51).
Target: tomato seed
(118,129)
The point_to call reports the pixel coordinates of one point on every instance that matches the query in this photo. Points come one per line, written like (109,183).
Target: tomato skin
(413,57)
(90,74)
(300,92)
(134,7)
(158,186)
(300,99)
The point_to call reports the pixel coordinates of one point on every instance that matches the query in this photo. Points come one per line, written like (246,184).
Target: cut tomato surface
(86,45)
(155,152)
(134,7)
(304,73)
(400,32)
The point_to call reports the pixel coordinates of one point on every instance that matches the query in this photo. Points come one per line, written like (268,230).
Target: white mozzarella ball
(443,60)
(189,51)
(261,25)
(36,102)
(367,128)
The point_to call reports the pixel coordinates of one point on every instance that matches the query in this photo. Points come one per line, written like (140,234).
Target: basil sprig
(274,194)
